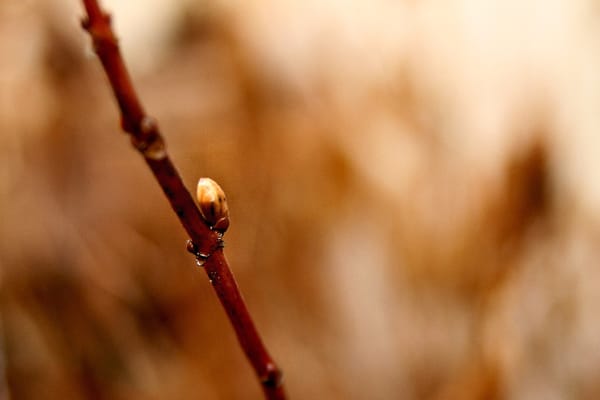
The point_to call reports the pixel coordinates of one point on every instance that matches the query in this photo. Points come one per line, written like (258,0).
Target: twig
(147,139)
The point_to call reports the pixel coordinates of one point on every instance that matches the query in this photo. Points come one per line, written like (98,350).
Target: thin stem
(147,139)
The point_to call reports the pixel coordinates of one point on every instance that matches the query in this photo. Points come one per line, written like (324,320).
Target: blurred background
(414,192)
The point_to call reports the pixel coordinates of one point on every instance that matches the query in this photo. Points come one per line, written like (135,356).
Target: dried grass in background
(413,188)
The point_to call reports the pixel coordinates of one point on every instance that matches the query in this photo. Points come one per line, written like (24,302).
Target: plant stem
(147,139)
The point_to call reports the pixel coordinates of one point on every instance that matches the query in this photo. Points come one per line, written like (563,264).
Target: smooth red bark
(147,139)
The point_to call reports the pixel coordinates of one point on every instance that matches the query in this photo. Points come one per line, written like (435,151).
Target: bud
(213,204)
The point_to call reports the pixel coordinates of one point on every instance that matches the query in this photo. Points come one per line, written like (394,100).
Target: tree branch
(205,242)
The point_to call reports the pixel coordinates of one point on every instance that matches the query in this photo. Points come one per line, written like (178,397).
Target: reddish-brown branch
(147,139)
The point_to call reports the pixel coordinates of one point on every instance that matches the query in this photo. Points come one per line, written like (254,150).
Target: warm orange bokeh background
(414,189)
